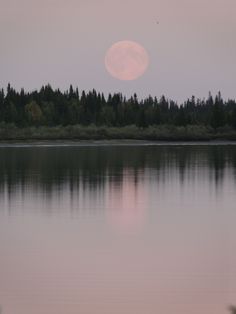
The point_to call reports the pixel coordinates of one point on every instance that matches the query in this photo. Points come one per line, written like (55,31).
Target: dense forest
(50,107)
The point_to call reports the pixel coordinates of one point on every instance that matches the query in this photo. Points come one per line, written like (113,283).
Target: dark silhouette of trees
(51,107)
(33,113)
(218,113)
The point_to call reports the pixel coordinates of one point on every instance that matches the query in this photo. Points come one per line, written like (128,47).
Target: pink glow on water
(127,205)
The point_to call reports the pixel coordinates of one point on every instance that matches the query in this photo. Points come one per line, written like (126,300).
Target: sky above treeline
(192,50)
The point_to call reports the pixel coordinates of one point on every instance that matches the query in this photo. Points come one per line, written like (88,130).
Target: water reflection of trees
(49,168)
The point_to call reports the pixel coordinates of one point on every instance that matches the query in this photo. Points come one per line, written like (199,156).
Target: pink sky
(64,42)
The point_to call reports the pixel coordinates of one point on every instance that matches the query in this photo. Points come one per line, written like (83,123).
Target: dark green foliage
(49,107)
(33,113)
(92,132)
(233,118)
(218,112)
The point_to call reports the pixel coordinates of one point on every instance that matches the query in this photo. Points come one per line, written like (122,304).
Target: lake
(117,229)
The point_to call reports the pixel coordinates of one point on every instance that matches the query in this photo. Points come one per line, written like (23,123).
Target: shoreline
(129,134)
(108,143)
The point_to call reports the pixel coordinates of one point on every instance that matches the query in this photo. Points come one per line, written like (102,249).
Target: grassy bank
(158,133)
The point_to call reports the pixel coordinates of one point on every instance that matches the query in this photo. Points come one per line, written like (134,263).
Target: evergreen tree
(218,115)
(52,107)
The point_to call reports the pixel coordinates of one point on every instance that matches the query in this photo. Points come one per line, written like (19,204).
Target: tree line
(52,107)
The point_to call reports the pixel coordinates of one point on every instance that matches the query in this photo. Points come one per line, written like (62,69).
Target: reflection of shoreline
(52,168)
(149,234)
(127,204)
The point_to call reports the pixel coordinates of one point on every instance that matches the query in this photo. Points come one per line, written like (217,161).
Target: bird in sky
(232,309)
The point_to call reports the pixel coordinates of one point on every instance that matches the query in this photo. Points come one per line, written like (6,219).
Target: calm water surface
(117,229)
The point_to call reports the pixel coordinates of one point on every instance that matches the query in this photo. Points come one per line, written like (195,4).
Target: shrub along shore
(132,132)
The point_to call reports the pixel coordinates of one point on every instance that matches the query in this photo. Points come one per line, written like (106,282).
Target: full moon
(126,60)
